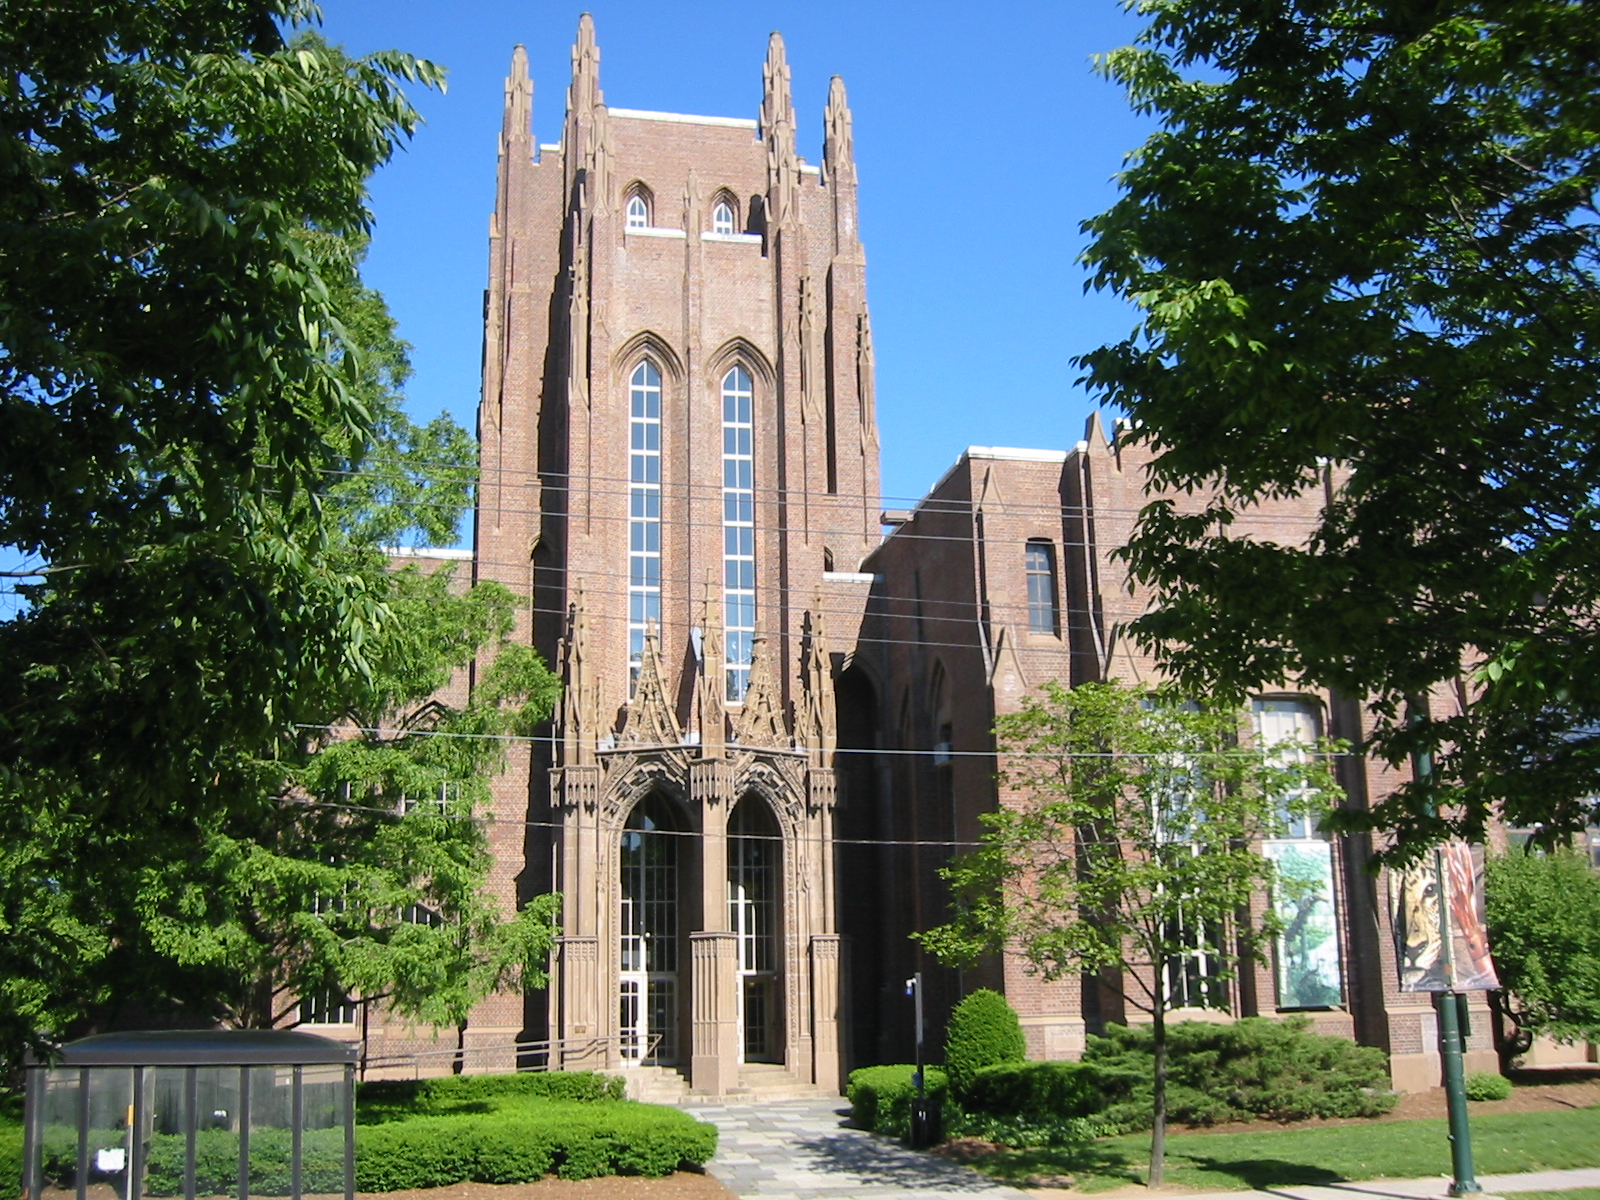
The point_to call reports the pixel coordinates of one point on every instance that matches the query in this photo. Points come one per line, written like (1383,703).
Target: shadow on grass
(1053,1165)
(1255,1173)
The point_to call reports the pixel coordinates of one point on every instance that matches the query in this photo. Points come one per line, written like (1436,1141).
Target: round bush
(1486,1085)
(983,1031)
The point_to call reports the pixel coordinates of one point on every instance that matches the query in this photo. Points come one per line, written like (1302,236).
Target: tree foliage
(221,781)
(1130,844)
(1365,235)
(1544,925)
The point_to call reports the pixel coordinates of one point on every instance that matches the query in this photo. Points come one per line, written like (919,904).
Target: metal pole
(1446,1004)
(244,1134)
(297,1120)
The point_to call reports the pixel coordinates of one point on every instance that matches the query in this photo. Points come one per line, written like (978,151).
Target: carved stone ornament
(761,723)
(650,720)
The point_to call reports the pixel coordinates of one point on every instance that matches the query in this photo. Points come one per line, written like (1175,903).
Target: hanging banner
(1308,947)
(1440,933)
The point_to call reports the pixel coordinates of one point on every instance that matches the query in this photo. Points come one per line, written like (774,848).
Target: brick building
(776,718)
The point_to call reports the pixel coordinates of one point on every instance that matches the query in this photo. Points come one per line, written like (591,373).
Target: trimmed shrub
(1034,1089)
(575,1140)
(401,1099)
(1254,1067)
(983,1031)
(880,1097)
(1487,1085)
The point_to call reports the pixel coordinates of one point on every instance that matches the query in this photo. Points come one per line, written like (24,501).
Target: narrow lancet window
(722,217)
(644,510)
(1041,568)
(738,530)
(638,212)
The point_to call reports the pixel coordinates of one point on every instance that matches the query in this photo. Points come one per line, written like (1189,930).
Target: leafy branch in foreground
(1365,234)
(1128,847)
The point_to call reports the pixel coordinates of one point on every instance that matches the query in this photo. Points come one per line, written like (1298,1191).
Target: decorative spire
(650,720)
(838,148)
(777,128)
(580,707)
(713,681)
(587,144)
(819,723)
(518,121)
(761,723)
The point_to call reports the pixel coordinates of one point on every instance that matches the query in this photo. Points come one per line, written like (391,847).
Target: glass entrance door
(648,966)
(754,845)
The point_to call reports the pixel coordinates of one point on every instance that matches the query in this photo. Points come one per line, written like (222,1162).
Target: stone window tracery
(638,211)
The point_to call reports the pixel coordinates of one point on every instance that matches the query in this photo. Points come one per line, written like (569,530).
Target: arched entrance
(652,853)
(755,854)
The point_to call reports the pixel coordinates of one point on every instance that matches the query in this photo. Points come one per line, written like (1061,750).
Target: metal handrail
(546,1054)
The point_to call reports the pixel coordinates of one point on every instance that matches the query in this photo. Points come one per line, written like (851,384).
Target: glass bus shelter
(193,1113)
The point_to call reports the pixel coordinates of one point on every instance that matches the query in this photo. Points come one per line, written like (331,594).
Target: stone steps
(761,1083)
(656,1085)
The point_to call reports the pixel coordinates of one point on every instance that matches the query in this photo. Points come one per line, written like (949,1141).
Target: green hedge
(573,1140)
(1036,1089)
(880,1097)
(10,1162)
(983,1030)
(1254,1067)
(402,1099)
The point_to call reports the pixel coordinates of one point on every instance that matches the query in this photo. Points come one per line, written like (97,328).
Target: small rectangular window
(1040,563)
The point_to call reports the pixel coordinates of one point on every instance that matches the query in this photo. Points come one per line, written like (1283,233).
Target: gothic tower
(680,473)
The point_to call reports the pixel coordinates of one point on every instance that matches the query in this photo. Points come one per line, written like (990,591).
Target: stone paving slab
(802,1150)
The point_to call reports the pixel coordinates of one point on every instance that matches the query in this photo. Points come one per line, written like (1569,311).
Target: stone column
(714,1067)
(825,1011)
(579,976)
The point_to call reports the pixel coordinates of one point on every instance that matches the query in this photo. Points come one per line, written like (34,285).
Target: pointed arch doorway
(652,854)
(755,861)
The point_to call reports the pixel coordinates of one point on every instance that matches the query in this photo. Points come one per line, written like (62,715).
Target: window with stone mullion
(738,530)
(644,511)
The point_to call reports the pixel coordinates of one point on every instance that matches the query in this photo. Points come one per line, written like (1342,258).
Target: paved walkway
(802,1150)
(1414,1189)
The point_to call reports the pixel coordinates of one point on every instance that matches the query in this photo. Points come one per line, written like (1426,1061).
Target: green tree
(1365,234)
(1129,849)
(1544,925)
(177,179)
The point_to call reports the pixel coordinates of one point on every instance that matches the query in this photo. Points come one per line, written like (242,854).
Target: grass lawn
(1574,1194)
(1503,1143)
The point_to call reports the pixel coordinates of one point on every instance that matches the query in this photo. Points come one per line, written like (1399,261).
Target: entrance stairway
(764,1083)
(758,1083)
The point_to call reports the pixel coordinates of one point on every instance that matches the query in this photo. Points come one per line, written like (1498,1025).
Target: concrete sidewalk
(802,1150)
(1383,1189)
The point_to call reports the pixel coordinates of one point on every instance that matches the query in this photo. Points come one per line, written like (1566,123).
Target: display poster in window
(1441,936)
(1308,947)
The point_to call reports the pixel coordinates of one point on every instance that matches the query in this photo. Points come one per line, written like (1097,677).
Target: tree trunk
(460,1062)
(1158,1128)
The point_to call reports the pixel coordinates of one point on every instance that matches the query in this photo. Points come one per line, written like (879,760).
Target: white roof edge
(639,114)
(553,147)
(1015,454)
(848,577)
(426,552)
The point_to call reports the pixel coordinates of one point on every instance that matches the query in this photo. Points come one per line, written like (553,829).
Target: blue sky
(982,134)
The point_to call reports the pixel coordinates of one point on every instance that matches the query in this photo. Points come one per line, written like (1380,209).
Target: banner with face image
(1440,933)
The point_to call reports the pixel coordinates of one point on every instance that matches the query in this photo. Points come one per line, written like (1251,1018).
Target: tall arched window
(1308,959)
(722,217)
(754,847)
(638,212)
(1040,563)
(644,510)
(648,964)
(738,529)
